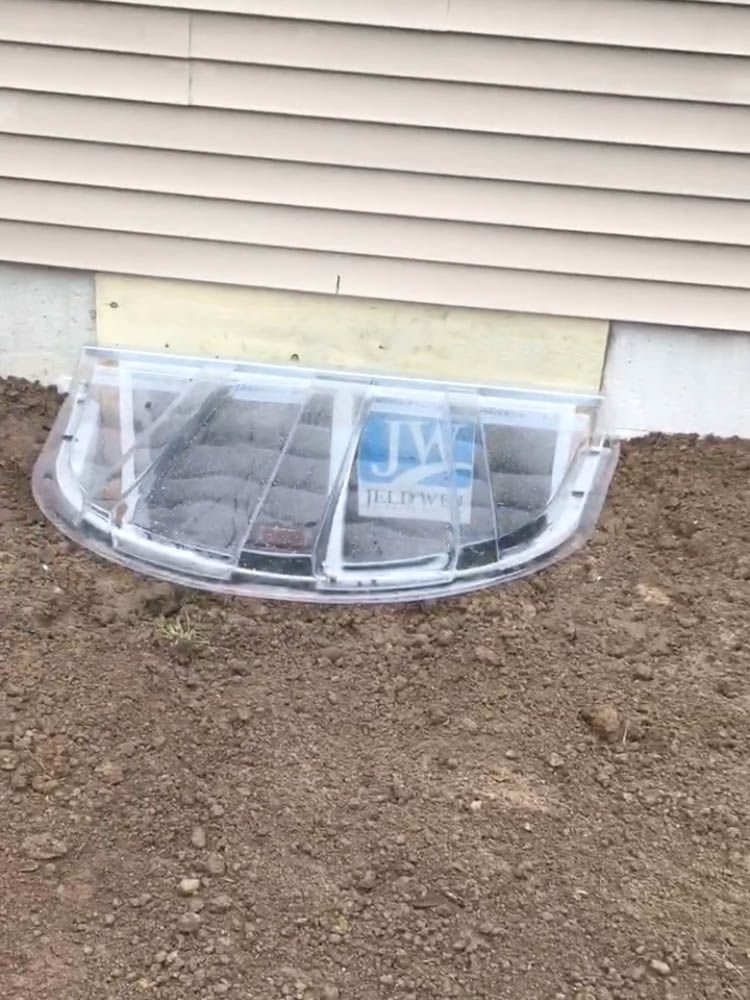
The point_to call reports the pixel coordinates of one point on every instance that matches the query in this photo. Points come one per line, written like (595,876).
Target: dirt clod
(486,655)
(604,721)
(44,847)
(215,864)
(220,903)
(189,923)
(660,967)
(198,838)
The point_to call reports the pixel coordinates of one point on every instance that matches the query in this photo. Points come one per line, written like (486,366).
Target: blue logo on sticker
(404,467)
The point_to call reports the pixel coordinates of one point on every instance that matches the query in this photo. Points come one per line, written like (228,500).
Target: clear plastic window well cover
(314,485)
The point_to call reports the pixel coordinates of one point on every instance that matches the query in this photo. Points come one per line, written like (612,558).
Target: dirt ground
(537,793)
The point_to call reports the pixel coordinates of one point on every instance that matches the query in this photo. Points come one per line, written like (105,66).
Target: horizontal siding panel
(78,24)
(658,24)
(381,192)
(371,235)
(387,147)
(471,106)
(409,281)
(510,62)
(428,14)
(140,78)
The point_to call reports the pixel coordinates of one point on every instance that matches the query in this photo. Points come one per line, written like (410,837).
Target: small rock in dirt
(511,754)
(556,761)
(331,993)
(215,864)
(436,716)
(605,774)
(659,967)
(198,837)
(523,870)
(643,672)
(636,973)
(189,923)
(111,772)
(604,721)
(19,780)
(660,644)
(43,785)
(159,599)
(653,595)
(727,687)
(8,760)
(220,904)
(368,881)
(486,655)
(189,886)
(44,847)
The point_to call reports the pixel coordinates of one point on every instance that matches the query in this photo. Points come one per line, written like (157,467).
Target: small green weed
(180,633)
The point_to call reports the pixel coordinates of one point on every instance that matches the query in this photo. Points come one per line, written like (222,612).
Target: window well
(314,485)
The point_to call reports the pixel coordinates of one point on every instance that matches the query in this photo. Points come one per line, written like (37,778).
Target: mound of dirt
(541,792)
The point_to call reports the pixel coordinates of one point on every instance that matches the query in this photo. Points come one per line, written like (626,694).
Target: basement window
(315,485)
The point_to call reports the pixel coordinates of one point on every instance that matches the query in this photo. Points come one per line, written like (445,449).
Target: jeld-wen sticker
(409,465)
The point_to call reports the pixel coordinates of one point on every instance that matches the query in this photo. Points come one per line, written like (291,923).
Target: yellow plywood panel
(278,327)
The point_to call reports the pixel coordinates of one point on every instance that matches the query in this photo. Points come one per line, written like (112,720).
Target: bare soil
(539,792)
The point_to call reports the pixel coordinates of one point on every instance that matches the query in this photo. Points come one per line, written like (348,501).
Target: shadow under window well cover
(315,485)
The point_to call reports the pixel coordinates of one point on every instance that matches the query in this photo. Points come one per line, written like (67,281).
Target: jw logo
(409,467)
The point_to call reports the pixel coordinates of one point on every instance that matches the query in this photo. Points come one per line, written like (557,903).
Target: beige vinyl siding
(474,153)
(470,106)
(510,62)
(84,25)
(658,24)
(404,195)
(115,125)
(376,235)
(101,74)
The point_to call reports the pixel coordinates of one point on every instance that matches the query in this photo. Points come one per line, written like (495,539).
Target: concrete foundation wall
(46,316)
(677,380)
